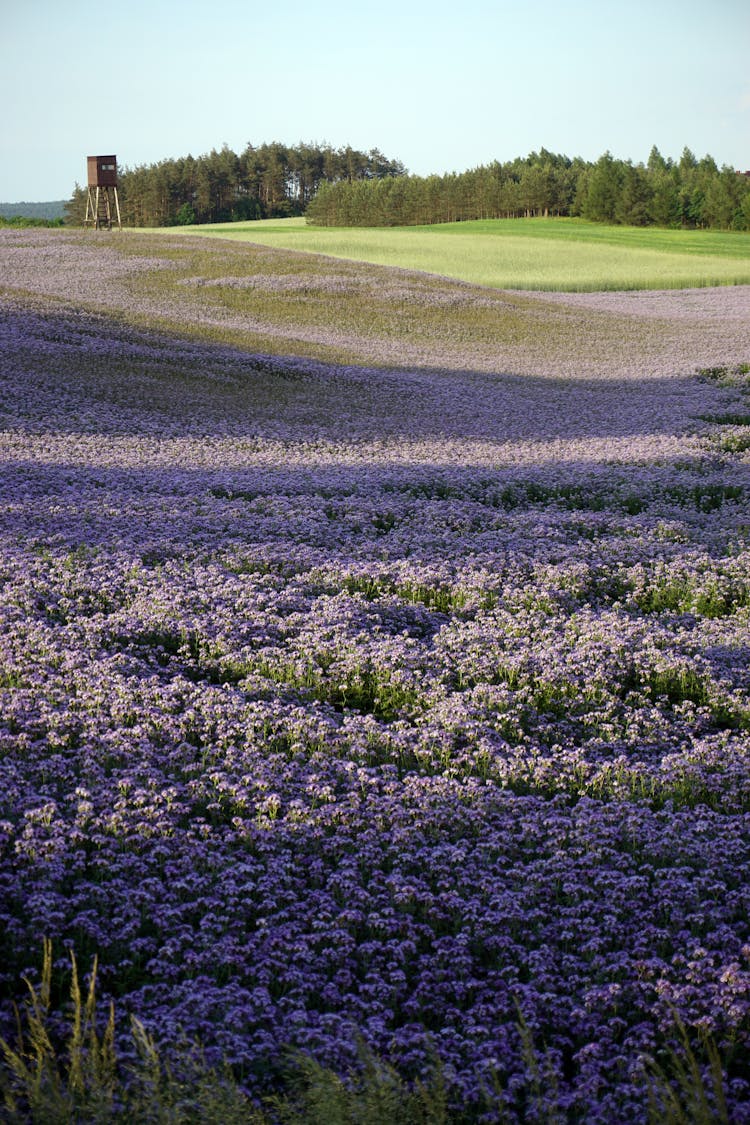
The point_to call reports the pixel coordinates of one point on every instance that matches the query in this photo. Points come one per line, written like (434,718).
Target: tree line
(347,187)
(267,181)
(53,210)
(663,192)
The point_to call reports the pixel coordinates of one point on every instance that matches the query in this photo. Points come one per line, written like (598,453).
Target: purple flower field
(347,701)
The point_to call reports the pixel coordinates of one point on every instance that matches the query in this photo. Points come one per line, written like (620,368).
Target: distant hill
(52,210)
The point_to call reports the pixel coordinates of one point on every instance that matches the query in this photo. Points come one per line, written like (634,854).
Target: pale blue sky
(442,85)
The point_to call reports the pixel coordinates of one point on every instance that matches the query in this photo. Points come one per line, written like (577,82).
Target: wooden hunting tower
(102,203)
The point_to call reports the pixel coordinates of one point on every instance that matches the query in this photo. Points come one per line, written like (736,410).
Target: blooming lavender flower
(373,701)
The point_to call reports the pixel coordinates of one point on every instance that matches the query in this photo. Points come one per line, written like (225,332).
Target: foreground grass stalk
(45,1088)
(83,1080)
(682,1090)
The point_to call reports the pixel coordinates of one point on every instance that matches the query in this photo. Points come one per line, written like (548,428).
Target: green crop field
(544,254)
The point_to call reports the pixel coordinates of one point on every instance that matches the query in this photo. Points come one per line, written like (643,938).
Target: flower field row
(344,702)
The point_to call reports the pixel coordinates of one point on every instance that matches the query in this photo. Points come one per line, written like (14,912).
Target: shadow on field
(64,372)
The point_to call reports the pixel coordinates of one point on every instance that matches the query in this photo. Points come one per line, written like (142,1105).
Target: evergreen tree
(635,196)
(664,207)
(604,185)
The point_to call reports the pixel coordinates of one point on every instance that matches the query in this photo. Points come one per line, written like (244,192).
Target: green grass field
(543,254)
